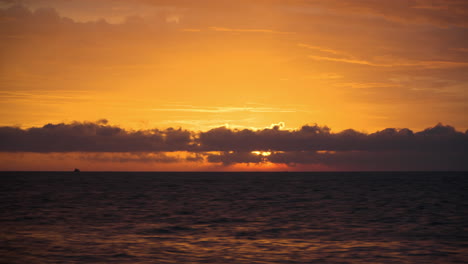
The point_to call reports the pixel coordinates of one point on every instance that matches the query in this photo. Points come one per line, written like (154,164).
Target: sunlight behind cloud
(262,153)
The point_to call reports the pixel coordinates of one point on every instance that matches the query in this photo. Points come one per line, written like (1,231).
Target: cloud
(316,138)
(92,137)
(142,157)
(240,30)
(436,11)
(324,76)
(367,160)
(226,109)
(101,137)
(191,30)
(228,158)
(365,85)
(441,13)
(439,147)
(345,60)
(322,49)
(394,62)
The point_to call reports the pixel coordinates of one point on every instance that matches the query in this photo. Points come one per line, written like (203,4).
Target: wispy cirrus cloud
(249,30)
(191,30)
(322,49)
(335,55)
(345,60)
(227,109)
(236,30)
(365,85)
(433,64)
(324,76)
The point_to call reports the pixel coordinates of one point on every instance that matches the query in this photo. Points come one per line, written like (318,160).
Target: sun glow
(262,153)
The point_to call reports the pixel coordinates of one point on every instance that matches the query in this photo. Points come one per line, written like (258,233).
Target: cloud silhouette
(316,138)
(101,137)
(92,137)
(141,157)
(228,158)
(436,148)
(354,160)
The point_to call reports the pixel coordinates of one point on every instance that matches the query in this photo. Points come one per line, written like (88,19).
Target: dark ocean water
(233,217)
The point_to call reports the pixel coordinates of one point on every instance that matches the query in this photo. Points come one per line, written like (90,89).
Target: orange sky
(142,64)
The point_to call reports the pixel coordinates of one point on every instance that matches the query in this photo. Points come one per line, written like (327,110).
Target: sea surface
(125,217)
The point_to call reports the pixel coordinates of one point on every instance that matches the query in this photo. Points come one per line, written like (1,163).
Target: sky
(285,85)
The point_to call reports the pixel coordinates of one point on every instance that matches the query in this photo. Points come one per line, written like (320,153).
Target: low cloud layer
(316,138)
(92,137)
(437,148)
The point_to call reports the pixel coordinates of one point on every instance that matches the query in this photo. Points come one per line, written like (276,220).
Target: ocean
(217,217)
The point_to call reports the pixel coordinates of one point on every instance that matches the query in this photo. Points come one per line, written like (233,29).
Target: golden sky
(144,64)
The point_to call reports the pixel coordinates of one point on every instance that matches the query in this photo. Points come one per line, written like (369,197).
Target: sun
(262,153)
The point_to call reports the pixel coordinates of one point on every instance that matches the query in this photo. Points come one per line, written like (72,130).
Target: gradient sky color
(200,65)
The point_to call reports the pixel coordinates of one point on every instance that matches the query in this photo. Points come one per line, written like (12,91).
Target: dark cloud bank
(436,148)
